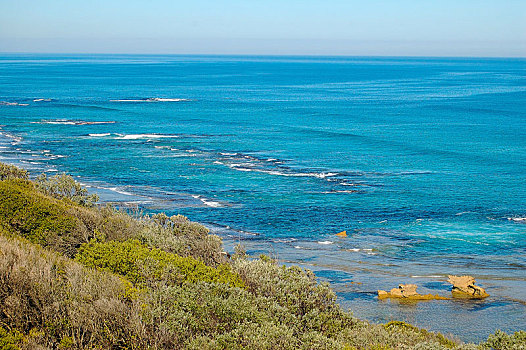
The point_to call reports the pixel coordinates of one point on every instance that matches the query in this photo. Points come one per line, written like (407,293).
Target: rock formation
(464,287)
(407,291)
(342,234)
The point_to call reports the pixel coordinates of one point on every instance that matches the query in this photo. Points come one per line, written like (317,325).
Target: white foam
(250,167)
(284,240)
(71,122)
(325,242)
(517,219)
(42,100)
(429,276)
(210,203)
(146,136)
(117,190)
(339,191)
(207,202)
(152,99)
(100,135)
(15,139)
(5,103)
(356,250)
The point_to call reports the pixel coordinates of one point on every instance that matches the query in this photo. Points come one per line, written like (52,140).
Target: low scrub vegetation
(143,265)
(12,172)
(75,275)
(64,186)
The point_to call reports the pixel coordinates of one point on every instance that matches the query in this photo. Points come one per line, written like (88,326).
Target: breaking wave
(72,122)
(151,99)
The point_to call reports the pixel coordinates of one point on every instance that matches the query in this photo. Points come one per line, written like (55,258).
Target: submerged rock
(464,287)
(342,234)
(407,291)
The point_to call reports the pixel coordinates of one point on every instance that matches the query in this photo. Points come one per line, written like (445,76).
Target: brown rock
(342,234)
(464,287)
(407,291)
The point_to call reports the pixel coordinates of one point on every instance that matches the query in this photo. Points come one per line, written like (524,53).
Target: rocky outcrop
(407,291)
(464,287)
(342,234)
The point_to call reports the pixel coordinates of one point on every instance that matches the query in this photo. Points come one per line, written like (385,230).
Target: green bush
(9,172)
(140,264)
(42,220)
(177,234)
(400,327)
(10,340)
(292,287)
(503,341)
(57,301)
(64,186)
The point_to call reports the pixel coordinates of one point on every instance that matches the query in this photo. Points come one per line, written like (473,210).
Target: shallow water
(421,160)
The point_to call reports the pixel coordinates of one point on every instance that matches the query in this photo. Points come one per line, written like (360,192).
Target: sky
(480,28)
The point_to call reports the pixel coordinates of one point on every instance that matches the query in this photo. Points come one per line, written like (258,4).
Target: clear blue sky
(323,27)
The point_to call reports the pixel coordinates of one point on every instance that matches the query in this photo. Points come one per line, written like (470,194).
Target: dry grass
(60,301)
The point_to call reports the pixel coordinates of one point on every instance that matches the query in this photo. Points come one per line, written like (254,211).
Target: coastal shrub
(115,224)
(179,225)
(292,287)
(64,186)
(308,305)
(41,219)
(8,172)
(399,326)
(199,309)
(58,302)
(218,316)
(140,264)
(10,340)
(502,341)
(177,234)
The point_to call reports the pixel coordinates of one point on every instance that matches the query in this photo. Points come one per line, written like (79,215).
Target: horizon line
(251,55)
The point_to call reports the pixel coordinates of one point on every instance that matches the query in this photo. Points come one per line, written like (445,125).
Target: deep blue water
(421,160)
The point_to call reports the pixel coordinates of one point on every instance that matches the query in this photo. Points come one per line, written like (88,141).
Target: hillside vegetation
(74,275)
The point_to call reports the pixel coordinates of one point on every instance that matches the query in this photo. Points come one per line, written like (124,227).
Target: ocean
(422,161)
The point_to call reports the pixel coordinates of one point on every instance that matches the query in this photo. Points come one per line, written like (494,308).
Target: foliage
(39,218)
(503,341)
(399,326)
(68,303)
(179,235)
(8,172)
(292,287)
(140,264)
(64,186)
(10,340)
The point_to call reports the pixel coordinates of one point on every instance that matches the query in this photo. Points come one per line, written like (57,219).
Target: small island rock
(407,291)
(464,287)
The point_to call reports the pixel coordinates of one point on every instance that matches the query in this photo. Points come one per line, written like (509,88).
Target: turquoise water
(421,160)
